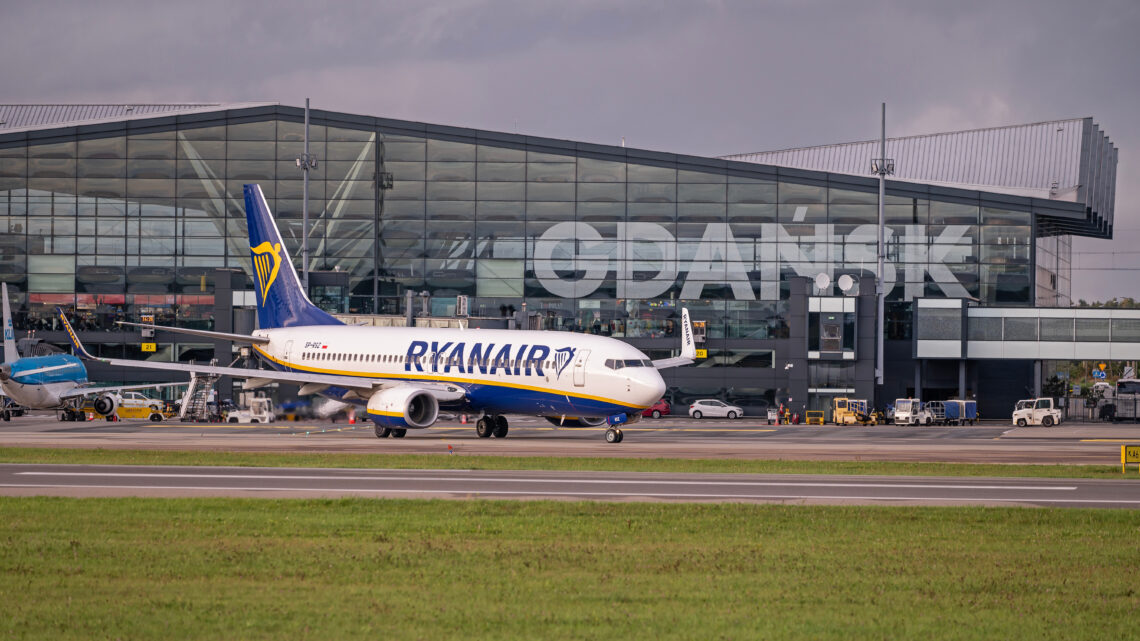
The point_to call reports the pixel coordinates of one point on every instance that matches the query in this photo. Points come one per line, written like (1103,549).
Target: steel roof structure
(1070,161)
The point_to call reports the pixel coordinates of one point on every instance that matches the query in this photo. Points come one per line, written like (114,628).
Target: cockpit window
(617,363)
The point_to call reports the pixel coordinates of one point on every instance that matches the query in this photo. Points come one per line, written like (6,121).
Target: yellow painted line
(230,426)
(1109,440)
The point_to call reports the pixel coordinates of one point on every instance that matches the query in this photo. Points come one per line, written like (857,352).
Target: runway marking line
(477,479)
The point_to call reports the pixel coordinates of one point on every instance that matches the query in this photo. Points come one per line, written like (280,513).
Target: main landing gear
(614,435)
(385,432)
(492,425)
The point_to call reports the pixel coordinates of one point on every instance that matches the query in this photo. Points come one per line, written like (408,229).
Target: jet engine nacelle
(403,407)
(106,404)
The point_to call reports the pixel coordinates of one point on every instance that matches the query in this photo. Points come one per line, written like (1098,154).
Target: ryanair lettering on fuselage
(484,358)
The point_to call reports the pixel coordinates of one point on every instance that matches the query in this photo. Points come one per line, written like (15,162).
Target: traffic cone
(463,418)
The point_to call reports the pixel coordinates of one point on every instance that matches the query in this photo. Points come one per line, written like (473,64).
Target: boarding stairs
(195,403)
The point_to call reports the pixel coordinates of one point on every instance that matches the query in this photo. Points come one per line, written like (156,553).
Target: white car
(712,407)
(136,400)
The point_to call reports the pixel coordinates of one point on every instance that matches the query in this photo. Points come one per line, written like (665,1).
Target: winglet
(75,344)
(688,345)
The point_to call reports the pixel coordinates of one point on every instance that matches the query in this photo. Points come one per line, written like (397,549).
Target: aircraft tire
(399,433)
(621,436)
(382,432)
(7,415)
(612,436)
(483,427)
(501,426)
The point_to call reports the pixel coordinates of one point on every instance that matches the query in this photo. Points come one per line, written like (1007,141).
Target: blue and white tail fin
(9,333)
(281,301)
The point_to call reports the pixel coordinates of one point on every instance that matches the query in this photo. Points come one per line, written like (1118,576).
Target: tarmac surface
(669,437)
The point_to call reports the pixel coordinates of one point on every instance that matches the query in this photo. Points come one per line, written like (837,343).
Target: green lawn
(401,569)
(443,461)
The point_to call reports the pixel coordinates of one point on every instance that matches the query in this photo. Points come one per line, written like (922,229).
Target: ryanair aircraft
(401,376)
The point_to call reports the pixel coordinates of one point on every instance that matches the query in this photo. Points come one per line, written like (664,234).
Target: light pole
(884,167)
(305,162)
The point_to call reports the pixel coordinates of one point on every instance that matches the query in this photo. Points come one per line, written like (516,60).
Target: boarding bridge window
(1021,329)
(1092,329)
(939,324)
(985,329)
(1057,329)
(1126,330)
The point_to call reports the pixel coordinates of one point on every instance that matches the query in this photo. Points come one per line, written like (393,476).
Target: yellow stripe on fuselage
(442,379)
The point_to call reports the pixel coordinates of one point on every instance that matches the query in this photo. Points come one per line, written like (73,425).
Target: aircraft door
(580,368)
(288,350)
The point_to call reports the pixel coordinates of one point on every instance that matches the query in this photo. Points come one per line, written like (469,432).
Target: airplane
(53,382)
(401,376)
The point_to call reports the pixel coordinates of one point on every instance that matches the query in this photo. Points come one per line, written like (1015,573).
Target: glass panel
(103,148)
(52,150)
(253,131)
(449,150)
(149,149)
(501,191)
(943,213)
(404,151)
(150,169)
(195,150)
(451,171)
(1126,330)
(649,174)
(601,192)
(488,153)
(689,176)
(238,150)
(985,329)
(51,168)
(651,193)
(991,216)
(500,210)
(550,191)
(1020,329)
(752,193)
(101,169)
(796,194)
(689,193)
(939,324)
(550,172)
(505,171)
(592,170)
(1056,329)
(1092,329)
(451,191)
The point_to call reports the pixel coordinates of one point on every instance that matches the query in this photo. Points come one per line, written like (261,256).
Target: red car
(659,409)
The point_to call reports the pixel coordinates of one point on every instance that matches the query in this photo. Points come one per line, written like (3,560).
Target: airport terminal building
(115,212)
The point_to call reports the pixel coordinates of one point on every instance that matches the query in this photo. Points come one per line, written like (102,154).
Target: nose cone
(648,387)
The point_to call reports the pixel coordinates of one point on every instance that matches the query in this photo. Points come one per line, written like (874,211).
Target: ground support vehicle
(937,411)
(851,411)
(960,412)
(1037,411)
(814,417)
(260,411)
(911,411)
(773,416)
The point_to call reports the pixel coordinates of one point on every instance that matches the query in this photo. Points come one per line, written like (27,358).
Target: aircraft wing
(310,383)
(688,346)
(84,391)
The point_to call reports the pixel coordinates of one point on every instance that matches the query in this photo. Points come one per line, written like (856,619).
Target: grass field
(427,461)
(398,569)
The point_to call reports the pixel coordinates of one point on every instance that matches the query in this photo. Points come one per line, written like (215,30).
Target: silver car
(713,408)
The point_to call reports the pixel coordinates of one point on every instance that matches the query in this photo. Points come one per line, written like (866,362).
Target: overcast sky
(698,77)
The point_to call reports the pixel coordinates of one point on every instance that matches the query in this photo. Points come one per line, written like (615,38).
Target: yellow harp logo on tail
(266,262)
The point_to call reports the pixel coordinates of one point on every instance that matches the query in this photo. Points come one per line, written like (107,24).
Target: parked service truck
(1037,411)
(260,411)
(960,412)
(911,411)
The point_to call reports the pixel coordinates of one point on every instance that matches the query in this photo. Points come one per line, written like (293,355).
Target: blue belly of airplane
(44,370)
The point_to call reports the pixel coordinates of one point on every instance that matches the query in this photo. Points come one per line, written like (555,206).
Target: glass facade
(583,238)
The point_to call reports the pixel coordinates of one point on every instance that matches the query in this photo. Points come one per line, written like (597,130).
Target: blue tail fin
(281,302)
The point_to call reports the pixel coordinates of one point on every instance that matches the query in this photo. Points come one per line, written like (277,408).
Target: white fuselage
(501,371)
(38,396)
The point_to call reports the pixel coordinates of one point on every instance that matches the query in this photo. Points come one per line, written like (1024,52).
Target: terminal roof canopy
(1069,161)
